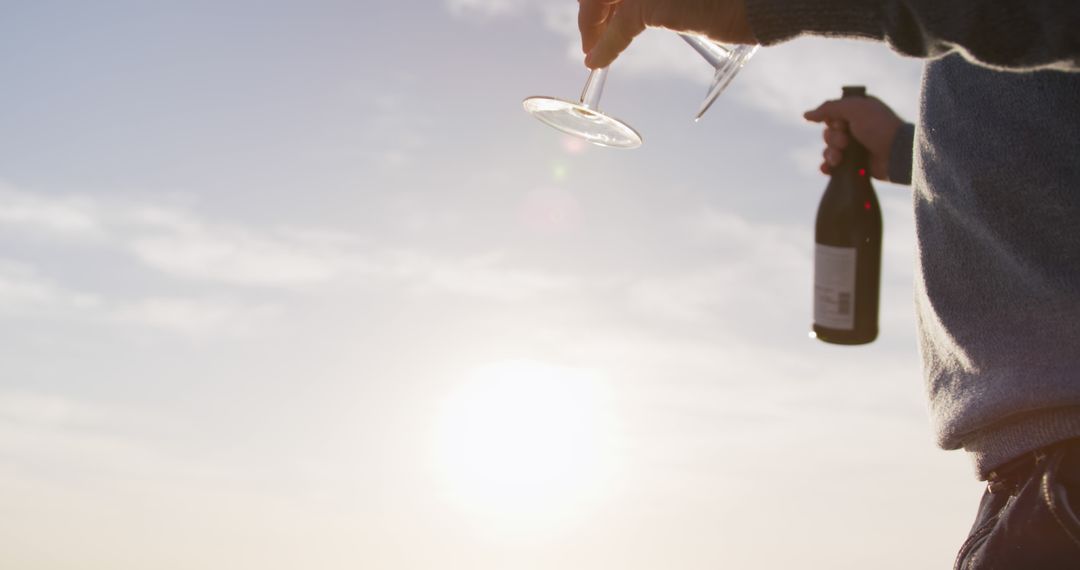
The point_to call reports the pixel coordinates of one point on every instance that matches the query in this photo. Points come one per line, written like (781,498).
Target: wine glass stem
(594,87)
(713,53)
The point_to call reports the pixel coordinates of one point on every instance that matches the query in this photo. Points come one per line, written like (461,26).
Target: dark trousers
(1029,518)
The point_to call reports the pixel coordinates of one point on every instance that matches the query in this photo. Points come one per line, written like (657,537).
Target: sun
(526,439)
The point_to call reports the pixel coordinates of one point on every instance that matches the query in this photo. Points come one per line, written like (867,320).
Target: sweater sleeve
(901,154)
(1017,35)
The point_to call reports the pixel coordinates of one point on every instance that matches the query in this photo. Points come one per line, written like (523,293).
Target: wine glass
(726,59)
(583,119)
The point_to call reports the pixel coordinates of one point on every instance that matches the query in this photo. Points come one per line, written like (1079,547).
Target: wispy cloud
(483,275)
(397,130)
(179,243)
(796,76)
(28,295)
(807,158)
(28,408)
(75,440)
(24,292)
(60,216)
(175,241)
(197,317)
(758,259)
(484,8)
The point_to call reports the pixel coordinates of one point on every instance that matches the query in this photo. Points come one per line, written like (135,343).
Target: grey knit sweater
(996,178)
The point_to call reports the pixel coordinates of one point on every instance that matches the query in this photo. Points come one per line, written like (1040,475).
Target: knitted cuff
(991,448)
(776,21)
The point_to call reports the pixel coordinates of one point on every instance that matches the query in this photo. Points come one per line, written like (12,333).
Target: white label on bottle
(834,287)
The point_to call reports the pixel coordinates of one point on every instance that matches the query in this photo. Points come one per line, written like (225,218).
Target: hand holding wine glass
(608,26)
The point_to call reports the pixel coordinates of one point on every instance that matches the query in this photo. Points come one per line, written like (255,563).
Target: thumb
(824,112)
(626,24)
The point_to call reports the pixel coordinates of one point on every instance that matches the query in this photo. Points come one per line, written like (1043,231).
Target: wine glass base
(580,121)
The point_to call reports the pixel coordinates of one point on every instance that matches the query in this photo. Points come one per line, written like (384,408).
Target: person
(994,162)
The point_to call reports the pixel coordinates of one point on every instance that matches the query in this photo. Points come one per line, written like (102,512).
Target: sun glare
(525,439)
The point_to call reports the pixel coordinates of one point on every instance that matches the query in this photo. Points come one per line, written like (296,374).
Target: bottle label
(834,287)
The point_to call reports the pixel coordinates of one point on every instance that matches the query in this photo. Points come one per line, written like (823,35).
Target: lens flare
(559,172)
(573,145)
(551,209)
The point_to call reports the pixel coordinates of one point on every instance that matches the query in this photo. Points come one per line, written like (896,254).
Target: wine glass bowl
(726,60)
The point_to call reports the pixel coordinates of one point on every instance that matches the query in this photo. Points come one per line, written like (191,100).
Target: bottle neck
(856,161)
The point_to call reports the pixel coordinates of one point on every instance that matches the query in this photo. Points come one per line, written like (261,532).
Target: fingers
(623,25)
(833,156)
(592,16)
(836,137)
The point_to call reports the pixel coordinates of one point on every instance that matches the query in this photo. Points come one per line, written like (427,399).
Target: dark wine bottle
(847,250)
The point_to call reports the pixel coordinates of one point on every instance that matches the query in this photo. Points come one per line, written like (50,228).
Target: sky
(299,285)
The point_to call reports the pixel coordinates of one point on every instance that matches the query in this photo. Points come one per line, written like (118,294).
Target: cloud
(197,317)
(75,440)
(171,240)
(24,292)
(807,158)
(42,410)
(478,276)
(294,258)
(61,216)
(758,260)
(798,75)
(484,8)
(396,131)
(178,243)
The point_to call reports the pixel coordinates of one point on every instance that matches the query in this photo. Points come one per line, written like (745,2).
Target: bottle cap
(854,91)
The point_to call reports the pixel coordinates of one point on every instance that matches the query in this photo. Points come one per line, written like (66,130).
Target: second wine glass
(726,59)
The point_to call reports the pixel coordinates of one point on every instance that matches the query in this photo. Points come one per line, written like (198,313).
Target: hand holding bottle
(870,121)
(608,26)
